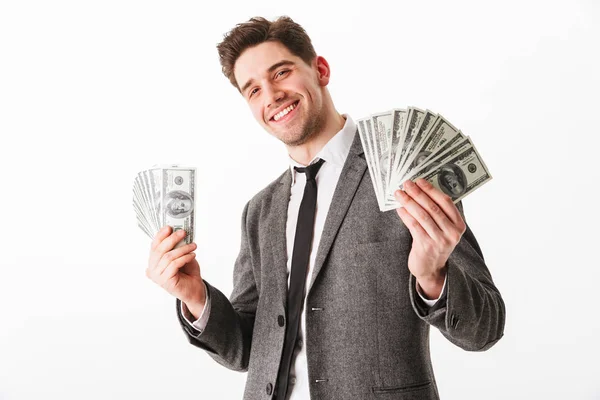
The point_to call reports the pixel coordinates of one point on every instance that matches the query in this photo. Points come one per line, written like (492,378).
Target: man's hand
(176,270)
(436,227)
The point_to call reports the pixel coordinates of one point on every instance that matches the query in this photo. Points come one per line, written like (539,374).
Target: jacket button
(269,389)
(280,320)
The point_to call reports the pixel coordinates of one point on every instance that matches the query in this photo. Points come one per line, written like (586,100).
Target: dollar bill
(440,133)
(367,147)
(440,158)
(382,129)
(460,174)
(177,200)
(410,143)
(416,139)
(165,195)
(411,122)
(399,120)
(424,168)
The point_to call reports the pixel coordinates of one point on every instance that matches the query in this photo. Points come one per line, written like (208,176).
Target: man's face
(180,206)
(272,81)
(453,183)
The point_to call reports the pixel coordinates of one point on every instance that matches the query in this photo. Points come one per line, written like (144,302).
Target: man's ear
(323,70)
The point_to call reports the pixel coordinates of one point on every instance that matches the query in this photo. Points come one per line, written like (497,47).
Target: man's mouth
(286,113)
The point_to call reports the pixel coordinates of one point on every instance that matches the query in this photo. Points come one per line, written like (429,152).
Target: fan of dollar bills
(164,195)
(402,144)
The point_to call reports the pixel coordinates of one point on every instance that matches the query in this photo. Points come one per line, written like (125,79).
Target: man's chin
(295,139)
(290,137)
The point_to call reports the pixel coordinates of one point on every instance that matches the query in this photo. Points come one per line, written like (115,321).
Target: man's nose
(274,96)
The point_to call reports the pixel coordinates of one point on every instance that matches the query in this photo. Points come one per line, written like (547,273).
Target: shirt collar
(335,150)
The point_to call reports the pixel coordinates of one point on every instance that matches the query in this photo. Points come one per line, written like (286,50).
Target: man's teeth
(284,112)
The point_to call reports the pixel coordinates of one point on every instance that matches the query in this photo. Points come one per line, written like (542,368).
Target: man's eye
(253,91)
(282,72)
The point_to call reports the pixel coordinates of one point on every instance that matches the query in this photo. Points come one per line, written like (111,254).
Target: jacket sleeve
(470,312)
(227,337)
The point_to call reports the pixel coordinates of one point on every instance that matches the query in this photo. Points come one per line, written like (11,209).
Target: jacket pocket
(402,389)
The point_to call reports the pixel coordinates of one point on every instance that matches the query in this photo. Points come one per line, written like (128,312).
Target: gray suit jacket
(367,330)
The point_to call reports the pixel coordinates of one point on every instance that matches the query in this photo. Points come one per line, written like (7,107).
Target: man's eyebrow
(271,69)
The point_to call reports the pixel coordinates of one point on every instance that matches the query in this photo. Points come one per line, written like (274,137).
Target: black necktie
(300,258)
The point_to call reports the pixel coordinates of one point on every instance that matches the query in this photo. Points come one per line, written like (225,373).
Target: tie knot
(312,170)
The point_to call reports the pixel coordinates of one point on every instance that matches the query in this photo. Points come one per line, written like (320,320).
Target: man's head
(452,181)
(275,68)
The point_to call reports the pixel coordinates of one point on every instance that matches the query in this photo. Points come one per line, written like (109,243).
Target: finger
(445,202)
(175,265)
(169,243)
(421,215)
(173,255)
(415,228)
(428,204)
(164,246)
(160,236)
(154,257)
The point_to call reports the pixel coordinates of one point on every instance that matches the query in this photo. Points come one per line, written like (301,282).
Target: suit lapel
(277,233)
(350,177)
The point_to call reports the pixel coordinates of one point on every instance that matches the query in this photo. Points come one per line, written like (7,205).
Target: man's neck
(304,153)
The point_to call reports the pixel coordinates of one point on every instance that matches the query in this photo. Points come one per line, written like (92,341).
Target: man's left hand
(436,227)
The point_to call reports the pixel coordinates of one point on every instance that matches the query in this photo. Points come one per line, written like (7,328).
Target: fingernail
(409,184)
(422,183)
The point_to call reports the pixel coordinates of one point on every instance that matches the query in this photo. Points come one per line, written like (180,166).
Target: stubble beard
(305,132)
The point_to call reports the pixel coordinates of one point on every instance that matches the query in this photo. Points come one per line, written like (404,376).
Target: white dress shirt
(334,153)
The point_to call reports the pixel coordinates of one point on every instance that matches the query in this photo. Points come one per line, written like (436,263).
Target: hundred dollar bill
(150,178)
(399,119)
(432,164)
(424,125)
(142,195)
(365,138)
(440,158)
(412,121)
(142,222)
(382,129)
(440,133)
(374,154)
(427,157)
(459,175)
(403,144)
(177,200)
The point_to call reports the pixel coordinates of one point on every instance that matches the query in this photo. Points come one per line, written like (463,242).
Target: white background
(92,92)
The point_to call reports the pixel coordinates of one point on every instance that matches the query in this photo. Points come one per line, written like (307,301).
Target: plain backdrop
(91,92)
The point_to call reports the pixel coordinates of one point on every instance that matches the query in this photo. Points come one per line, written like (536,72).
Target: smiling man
(332,298)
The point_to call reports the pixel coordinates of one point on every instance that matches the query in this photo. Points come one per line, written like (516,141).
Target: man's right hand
(176,270)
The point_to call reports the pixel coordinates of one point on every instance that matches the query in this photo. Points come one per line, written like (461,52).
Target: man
(179,204)
(452,180)
(370,283)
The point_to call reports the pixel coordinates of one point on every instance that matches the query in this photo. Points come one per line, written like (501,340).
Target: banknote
(177,200)
(399,120)
(425,123)
(459,175)
(441,156)
(438,134)
(367,147)
(375,157)
(165,195)
(409,124)
(409,143)
(382,129)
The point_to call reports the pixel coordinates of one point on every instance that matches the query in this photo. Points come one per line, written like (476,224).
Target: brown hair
(258,30)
